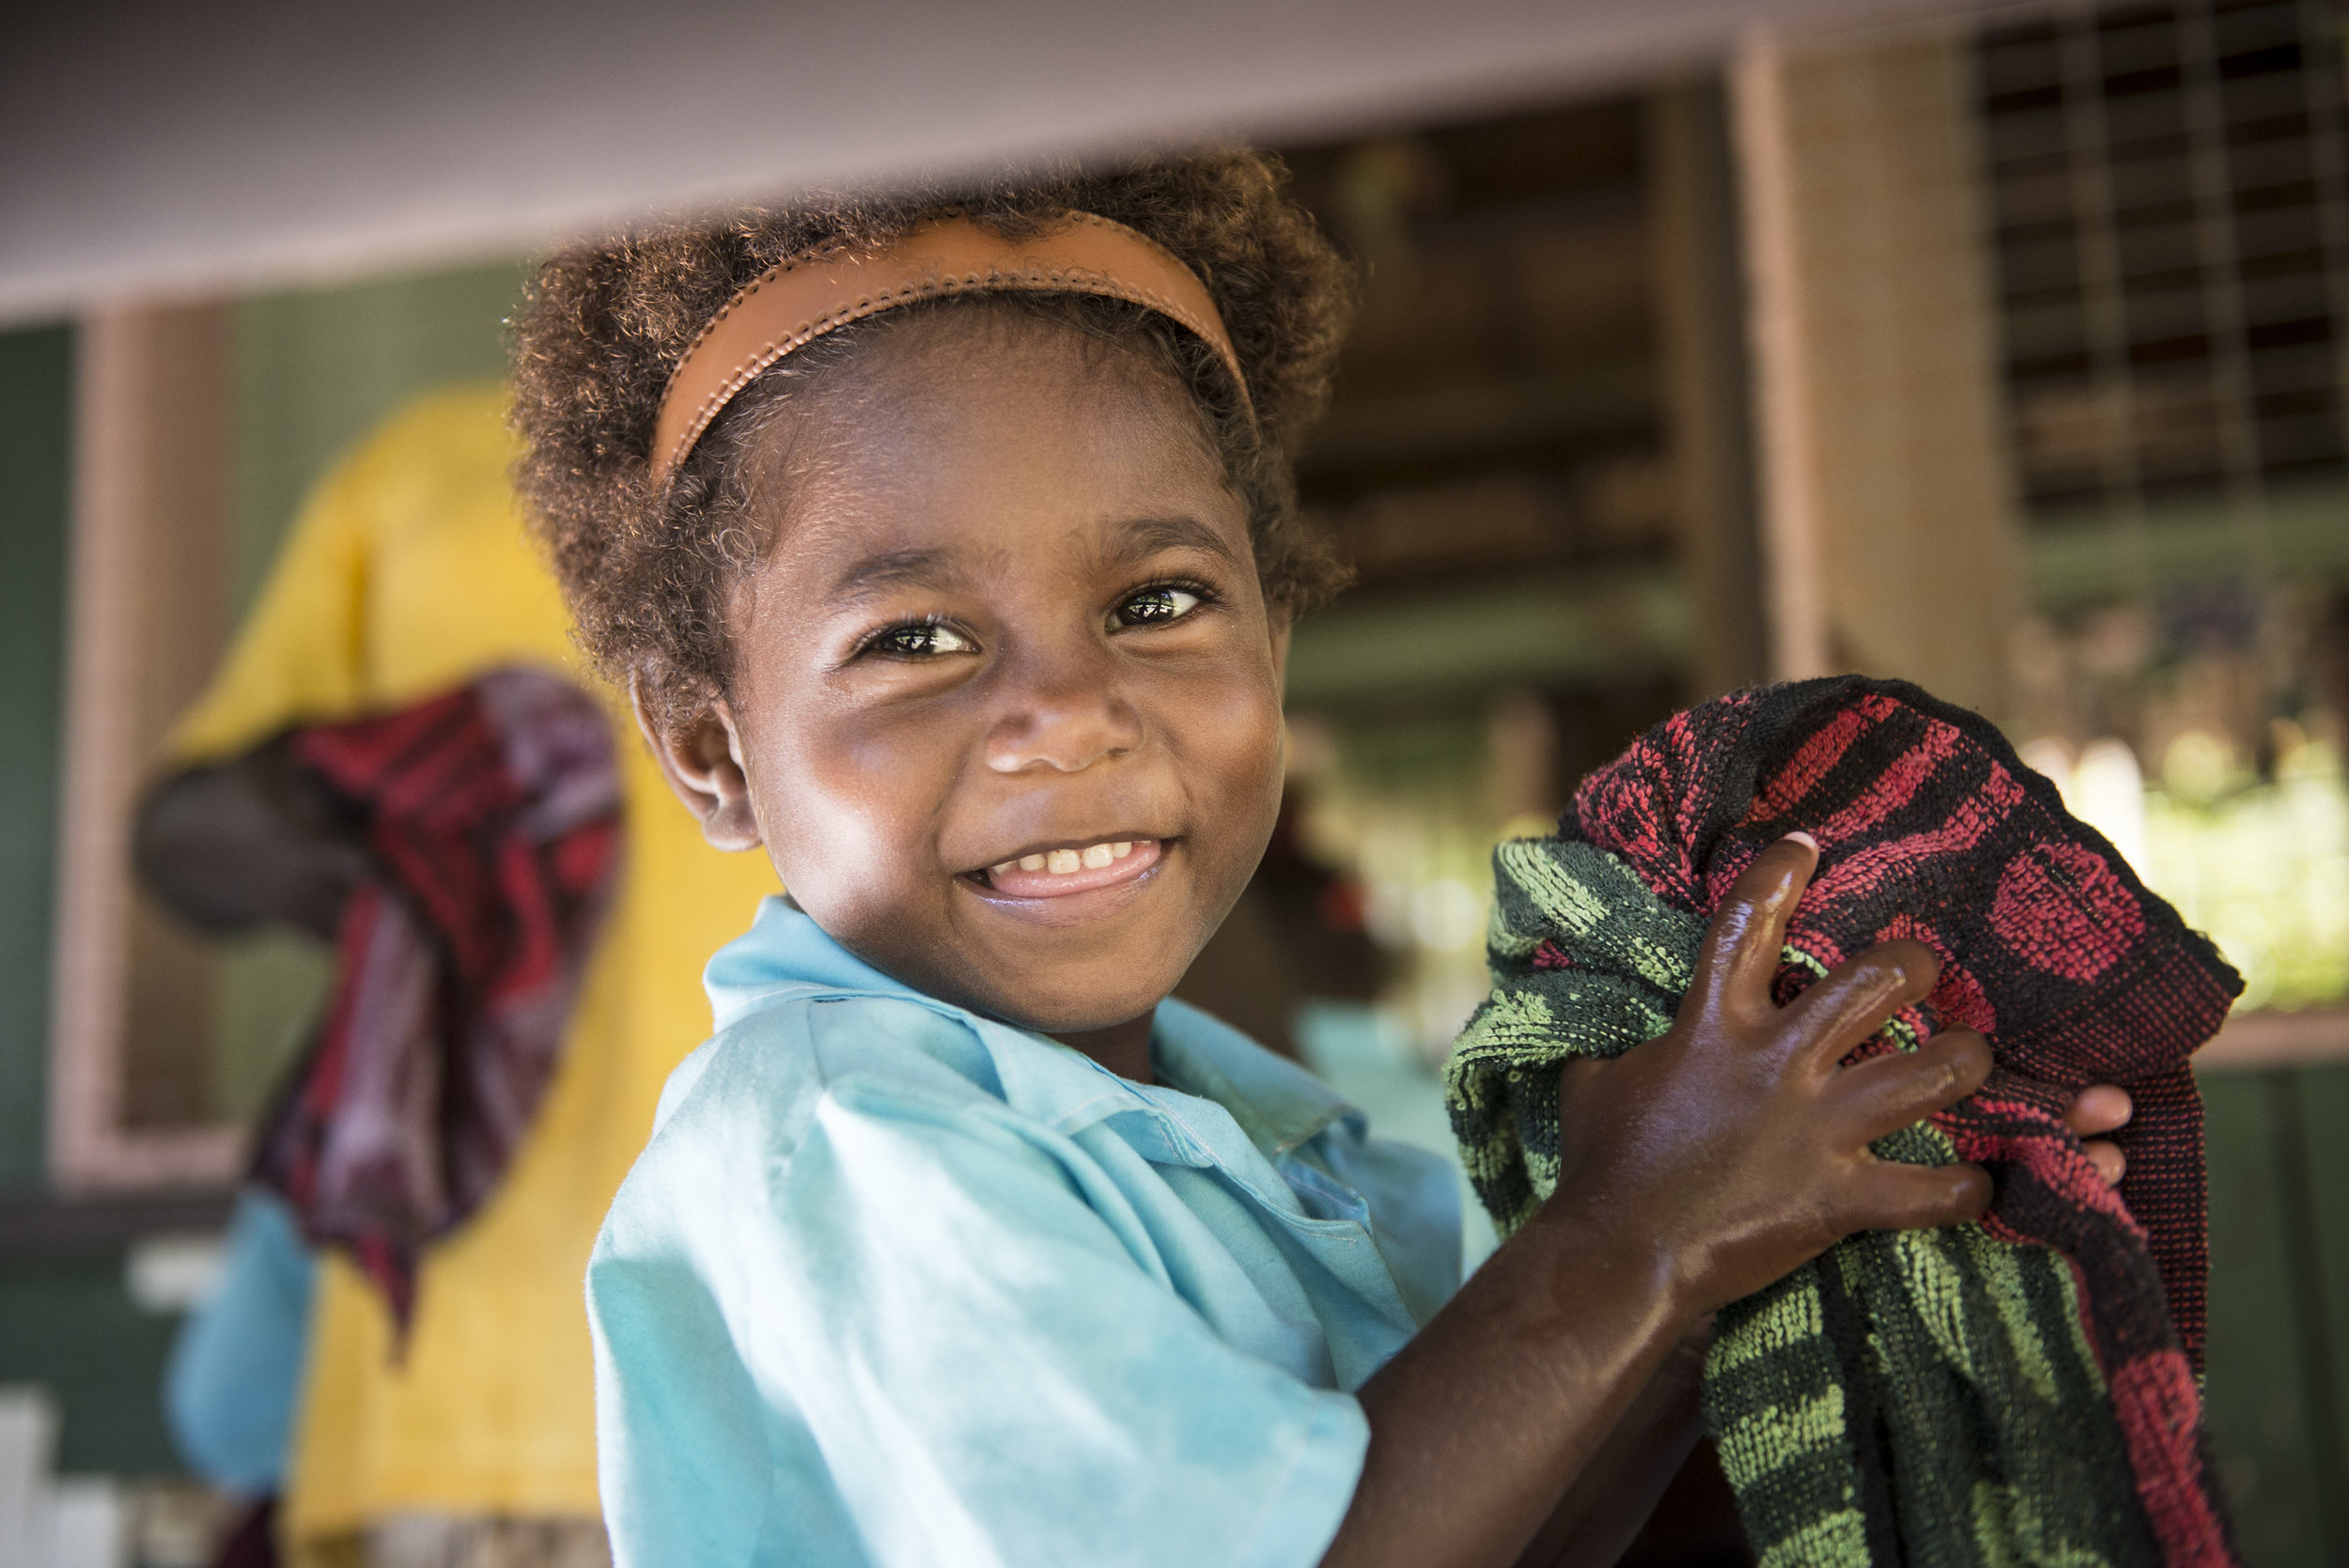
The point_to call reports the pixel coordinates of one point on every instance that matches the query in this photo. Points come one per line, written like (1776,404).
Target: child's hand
(1736,1143)
(1551,1400)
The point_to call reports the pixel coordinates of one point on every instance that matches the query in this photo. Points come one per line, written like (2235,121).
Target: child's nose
(1066,729)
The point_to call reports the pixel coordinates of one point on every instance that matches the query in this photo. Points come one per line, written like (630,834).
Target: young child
(950,550)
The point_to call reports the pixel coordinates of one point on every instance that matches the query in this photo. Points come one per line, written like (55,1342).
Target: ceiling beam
(178,148)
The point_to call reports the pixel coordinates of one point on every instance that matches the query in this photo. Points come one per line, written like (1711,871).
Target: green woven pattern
(1955,1363)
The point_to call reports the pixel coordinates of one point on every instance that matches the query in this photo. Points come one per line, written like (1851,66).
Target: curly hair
(647,569)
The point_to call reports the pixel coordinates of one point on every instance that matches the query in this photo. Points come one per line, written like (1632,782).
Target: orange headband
(799,300)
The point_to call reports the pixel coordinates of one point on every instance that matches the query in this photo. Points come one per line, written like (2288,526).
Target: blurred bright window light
(2261,863)
(177,1273)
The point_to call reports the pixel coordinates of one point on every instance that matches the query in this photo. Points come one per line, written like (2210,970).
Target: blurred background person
(465,1434)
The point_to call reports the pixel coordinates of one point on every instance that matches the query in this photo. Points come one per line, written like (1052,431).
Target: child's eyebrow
(936,568)
(1149,536)
(897,568)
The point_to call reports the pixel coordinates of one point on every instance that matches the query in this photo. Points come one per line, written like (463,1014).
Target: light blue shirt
(896,1284)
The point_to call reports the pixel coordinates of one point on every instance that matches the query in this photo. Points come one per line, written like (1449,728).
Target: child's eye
(1156,606)
(920,640)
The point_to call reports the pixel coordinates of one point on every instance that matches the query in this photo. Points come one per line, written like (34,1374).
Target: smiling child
(949,549)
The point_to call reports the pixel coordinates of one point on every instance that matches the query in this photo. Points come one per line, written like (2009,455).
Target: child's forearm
(1600,1514)
(1481,1426)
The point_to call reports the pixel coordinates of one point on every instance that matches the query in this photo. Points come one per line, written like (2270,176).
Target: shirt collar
(1278,1105)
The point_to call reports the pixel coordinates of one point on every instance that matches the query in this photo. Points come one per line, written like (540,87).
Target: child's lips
(1073,869)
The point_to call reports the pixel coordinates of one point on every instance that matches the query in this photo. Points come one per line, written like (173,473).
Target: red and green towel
(2020,1392)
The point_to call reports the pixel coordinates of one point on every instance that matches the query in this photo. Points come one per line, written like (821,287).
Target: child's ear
(1281,655)
(703,763)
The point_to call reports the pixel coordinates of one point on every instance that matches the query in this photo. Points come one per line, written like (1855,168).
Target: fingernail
(1804,838)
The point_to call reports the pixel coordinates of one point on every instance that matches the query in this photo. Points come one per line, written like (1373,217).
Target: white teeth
(1062,862)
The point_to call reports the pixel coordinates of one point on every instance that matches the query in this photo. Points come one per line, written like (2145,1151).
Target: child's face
(1010,612)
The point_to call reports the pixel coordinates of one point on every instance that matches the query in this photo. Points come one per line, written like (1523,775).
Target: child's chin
(1080,1011)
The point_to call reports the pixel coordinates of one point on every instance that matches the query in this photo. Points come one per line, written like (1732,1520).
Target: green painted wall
(36,401)
(2280,1309)
(65,1324)
(69,1326)
(316,369)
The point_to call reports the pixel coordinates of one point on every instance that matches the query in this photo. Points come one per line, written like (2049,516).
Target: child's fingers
(1889,1196)
(2101,1107)
(2105,1155)
(1741,946)
(1888,1092)
(1858,994)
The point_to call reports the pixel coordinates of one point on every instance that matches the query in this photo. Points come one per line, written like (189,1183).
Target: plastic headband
(798,300)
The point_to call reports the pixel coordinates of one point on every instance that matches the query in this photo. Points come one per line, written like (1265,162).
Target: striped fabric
(492,815)
(2021,1392)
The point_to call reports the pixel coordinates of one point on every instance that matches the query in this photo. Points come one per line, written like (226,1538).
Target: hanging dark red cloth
(492,815)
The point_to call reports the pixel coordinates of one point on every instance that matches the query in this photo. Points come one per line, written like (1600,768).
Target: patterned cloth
(494,815)
(2018,1391)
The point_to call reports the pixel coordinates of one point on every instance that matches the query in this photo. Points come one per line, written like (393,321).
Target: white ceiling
(171,148)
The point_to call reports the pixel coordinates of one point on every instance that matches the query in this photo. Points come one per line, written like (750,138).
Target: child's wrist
(1623,1265)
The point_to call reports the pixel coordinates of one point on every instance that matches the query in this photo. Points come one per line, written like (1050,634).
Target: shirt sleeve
(955,1316)
(298,656)
(235,1372)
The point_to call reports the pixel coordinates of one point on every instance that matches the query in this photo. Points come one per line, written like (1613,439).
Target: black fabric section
(1871,1448)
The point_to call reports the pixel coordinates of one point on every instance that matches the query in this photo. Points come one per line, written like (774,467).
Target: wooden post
(1891,539)
(1708,383)
(132,1017)
(1779,339)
